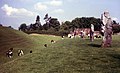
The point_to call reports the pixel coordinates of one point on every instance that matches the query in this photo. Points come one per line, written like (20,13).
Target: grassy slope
(13,38)
(67,56)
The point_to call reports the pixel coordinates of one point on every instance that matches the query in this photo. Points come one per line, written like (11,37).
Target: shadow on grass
(95,45)
(115,64)
(116,56)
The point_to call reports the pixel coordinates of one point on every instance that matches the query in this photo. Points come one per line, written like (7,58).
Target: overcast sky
(15,12)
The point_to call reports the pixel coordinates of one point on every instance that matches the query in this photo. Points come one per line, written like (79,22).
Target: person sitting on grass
(9,53)
(45,45)
(20,52)
(52,41)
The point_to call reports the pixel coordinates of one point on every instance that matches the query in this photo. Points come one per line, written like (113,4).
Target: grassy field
(10,38)
(65,56)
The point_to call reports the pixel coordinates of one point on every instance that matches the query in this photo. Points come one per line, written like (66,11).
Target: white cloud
(55,2)
(72,0)
(40,6)
(58,11)
(10,11)
(25,0)
(69,0)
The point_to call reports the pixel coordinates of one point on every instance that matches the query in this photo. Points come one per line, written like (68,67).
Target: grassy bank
(66,56)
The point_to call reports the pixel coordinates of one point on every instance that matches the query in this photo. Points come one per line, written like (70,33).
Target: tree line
(53,26)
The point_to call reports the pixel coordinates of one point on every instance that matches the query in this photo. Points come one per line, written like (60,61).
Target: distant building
(86,31)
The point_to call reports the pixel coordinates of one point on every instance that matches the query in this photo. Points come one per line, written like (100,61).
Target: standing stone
(107,29)
(109,32)
(92,33)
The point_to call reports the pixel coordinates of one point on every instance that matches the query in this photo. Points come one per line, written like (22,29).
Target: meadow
(64,56)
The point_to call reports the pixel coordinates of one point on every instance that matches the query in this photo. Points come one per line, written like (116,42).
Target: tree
(46,16)
(116,28)
(23,27)
(54,23)
(46,26)
(0,24)
(37,25)
(85,22)
(114,22)
(66,26)
(47,19)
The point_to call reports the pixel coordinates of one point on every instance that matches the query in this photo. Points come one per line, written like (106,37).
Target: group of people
(9,53)
(106,30)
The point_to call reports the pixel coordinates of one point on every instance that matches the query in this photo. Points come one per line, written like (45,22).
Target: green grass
(15,39)
(66,56)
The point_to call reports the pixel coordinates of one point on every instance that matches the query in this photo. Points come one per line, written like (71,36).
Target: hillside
(10,38)
(67,56)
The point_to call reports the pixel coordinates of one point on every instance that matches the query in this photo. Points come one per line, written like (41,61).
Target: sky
(15,12)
